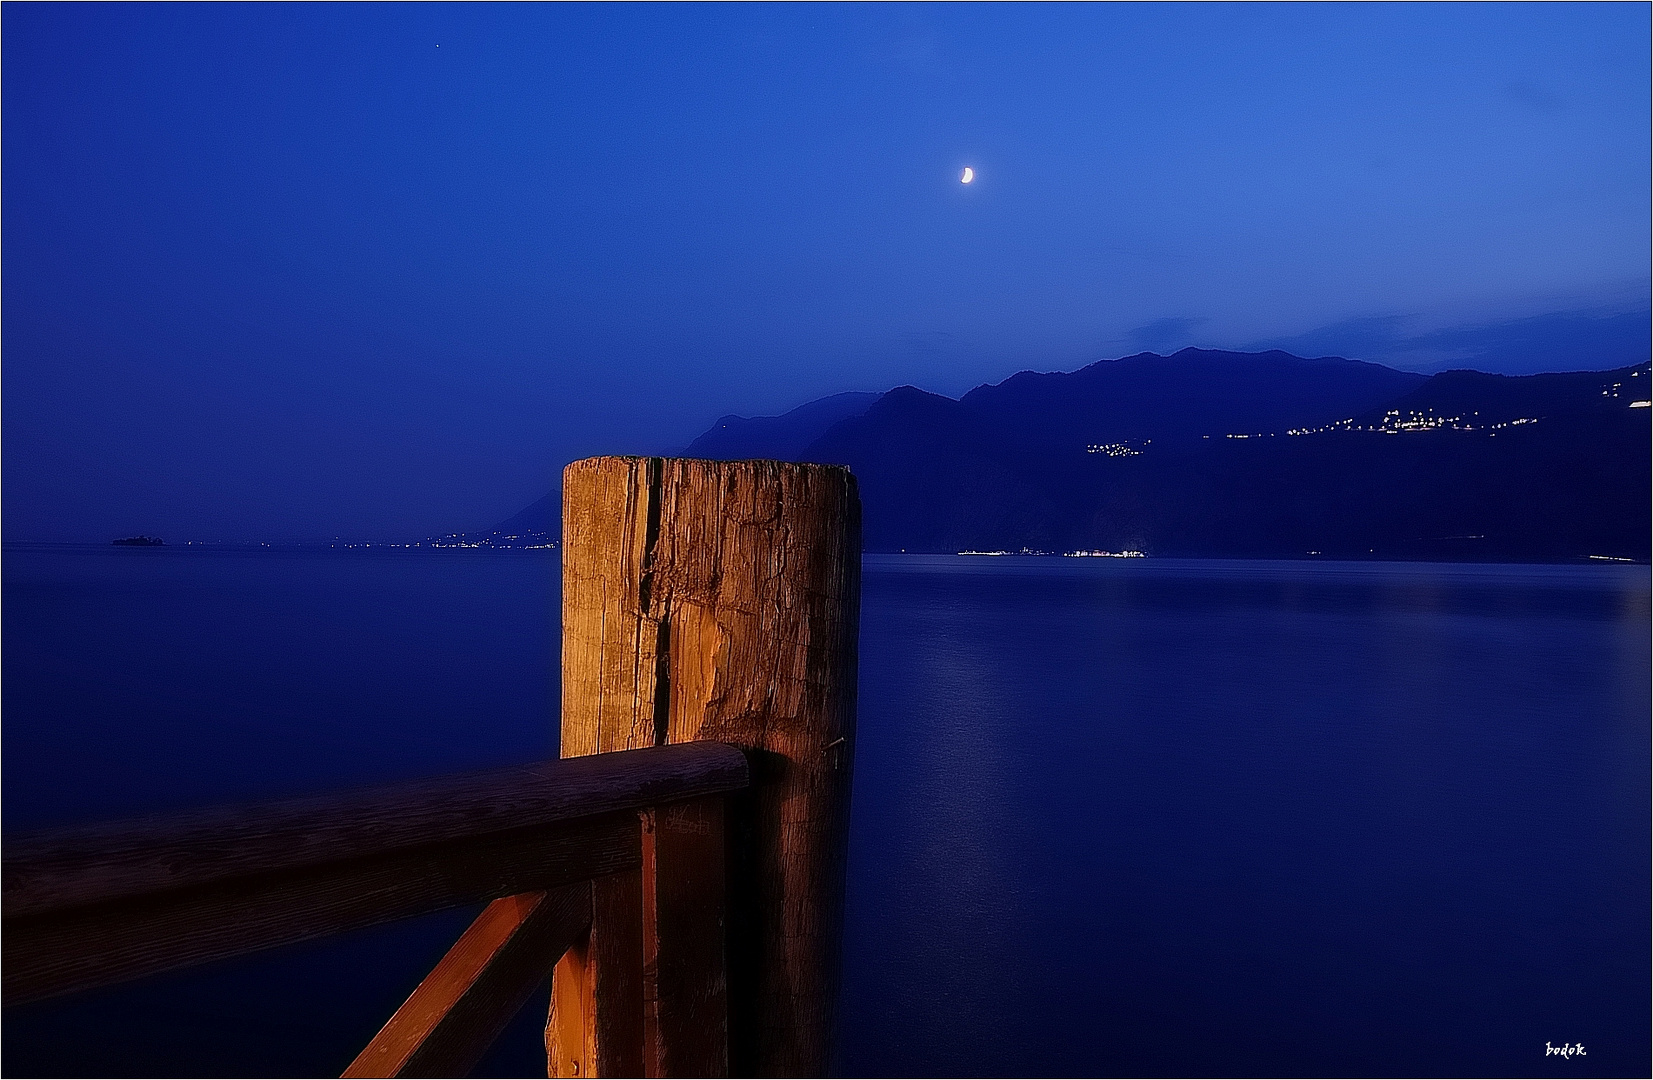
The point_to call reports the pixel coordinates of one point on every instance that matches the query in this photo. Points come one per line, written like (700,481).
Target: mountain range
(1222,454)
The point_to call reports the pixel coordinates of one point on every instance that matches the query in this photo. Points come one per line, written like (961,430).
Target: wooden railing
(680,871)
(93,906)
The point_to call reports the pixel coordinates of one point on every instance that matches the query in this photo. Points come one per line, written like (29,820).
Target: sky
(278,272)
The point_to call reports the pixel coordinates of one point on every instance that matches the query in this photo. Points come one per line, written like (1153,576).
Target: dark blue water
(1129,817)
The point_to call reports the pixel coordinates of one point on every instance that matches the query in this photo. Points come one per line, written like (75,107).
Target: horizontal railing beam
(104,944)
(97,905)
(90,864)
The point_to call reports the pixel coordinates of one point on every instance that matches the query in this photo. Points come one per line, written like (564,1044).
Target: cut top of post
(706,600)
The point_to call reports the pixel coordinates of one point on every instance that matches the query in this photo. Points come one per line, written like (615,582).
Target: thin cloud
(1577,340)
(1164,335)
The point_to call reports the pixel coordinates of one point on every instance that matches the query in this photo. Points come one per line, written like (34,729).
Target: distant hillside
(536,526)
(1462,465)
(782,438)
(1479,398)
(1221,454)
(1188,394)
(540,517)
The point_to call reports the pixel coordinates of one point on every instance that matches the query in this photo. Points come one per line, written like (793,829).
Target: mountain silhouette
(784,437)
(542,516)
(1220,454)
(1187,394)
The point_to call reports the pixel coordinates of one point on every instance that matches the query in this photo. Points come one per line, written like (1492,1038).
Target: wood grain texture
(457,1012)
(616,951)
(595,1026)
(685,987)
(61,868)
(570,1030)
(719,601)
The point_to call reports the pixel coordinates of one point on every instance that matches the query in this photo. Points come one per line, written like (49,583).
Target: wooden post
(708,600)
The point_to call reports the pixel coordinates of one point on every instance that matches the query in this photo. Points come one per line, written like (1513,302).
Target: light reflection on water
(1170,817)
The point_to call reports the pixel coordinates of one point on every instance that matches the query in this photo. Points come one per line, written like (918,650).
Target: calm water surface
(1133,817)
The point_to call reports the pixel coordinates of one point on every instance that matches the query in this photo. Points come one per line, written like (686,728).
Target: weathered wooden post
(707,600)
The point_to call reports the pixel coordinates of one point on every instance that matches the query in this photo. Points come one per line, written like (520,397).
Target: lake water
(1111,817)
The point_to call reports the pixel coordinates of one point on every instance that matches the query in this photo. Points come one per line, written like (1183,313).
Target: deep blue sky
(379,271)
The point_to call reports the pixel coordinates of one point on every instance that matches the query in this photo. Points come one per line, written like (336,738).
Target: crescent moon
(968,175)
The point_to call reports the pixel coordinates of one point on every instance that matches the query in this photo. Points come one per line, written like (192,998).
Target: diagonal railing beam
(460,1008)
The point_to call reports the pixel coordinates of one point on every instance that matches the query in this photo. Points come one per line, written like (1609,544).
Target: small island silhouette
(139,541)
